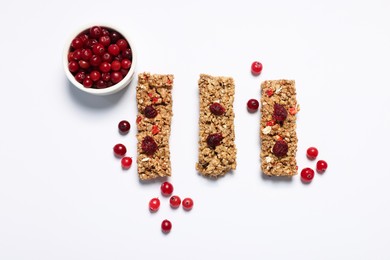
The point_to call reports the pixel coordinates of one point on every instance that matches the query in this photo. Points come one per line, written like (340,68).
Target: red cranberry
(98,49)
(154,204)
(256,68)
(95,32)
(166,188)
(105,40)
(124,72)
(115,65)
(80,76)
(127,54)
(175,201)
(90,43)
(280,148)
(83,37)
(217,109)
(125,64)
(307,175)
(124,126)
(77,43)
(312,153)
(148,145)
(105,66)
(166,226)
(118,57)
(122,44)
(188,203)
(87,83)
(106,57)
(321,166)
(252,105)
(113,49)
(83,64)
(116,77)
(101,84)
(86,54)
(73,66)
(106,76)
(95,60)
(280,113)
(214,140)
(105,32)
(115,36)
(76,55)
(95,75)
(126,162)
(120,150)
(150,112)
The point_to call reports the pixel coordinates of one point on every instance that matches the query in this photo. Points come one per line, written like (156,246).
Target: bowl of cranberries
(99,60)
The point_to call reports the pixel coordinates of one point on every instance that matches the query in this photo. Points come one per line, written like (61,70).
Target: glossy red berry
(252,105)
(127,54)
(166,226)
(312,153)
(166,188)
(76,55)
(116,77)
(116,65)
(87,82)
(95,32)
(83,64)
(105,40)
(107,57)
(217,109)
(307,175)
(126,162)
(113,49)
(105,66)
(148,145)
(95,75)
(125,64)
(77,43)
(73,66)
(213,140)
(122,44)
(115,36)
(101,84)
(120,150)
(175,201)
(80,76)
(188,203)
(256,68)
(280,148)
(124,126)
(321,166)
(98,49)
(154,204)
(86,54)
(95,60)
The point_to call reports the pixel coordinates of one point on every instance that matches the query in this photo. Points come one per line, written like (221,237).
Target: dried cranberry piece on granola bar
(214,140)
(280,148)
(148,145)
(280,113)
(150,112)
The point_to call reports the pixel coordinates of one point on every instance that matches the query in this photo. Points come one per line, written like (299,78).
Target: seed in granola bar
(280,113)
(256,68)
(148,145)
(214,140)
(150,112)
(280,148)
(252,105)
(312,153)
(307,175)
(120,150)
(321,166)
(166,188)
(124,126)
(217,109)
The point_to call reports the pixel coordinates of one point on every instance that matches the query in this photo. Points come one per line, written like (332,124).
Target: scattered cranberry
(252,105)
(148,145)
(166,226)
(312,153)
(280,113)
(188,203)
(256,68)
(150,112)
(280,148)
(126,162)
(321,166)
(166,188)
(175,201)
(217,109)
(124,126)
(307,174)
(120,150)
(214,140)
(154,204)
(95,32)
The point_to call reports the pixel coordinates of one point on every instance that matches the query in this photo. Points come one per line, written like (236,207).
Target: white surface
(63,194)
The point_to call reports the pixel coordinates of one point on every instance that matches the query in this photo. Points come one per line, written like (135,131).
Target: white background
(63,195)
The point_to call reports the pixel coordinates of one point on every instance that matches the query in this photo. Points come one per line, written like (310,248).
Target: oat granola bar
(217,150)
(154,102)
(278,128)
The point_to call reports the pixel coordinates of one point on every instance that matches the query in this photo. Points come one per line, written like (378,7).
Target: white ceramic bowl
(104,91)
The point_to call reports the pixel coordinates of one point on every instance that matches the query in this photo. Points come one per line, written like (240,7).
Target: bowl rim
(104,91)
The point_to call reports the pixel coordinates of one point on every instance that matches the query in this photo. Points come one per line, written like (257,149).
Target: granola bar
(278,128)
(154,102)
(217,150)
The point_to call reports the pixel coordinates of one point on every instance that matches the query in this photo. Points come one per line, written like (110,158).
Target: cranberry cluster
(175,201)
(307,174)
(99,57)
(120,150)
